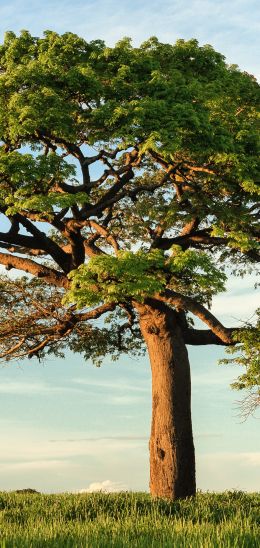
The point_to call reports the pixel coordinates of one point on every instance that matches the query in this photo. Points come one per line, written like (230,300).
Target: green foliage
(171,97)
(116,279)
(246,353)
(194,122)
(138,275)
(135,520)
(44,203)
(194,273)
(39,82)
(28,182)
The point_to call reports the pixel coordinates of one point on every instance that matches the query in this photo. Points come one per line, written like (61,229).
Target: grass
(97,520)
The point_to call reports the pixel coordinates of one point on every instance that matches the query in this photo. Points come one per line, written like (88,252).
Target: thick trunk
(172,460)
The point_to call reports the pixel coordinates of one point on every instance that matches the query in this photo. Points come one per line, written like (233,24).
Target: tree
(128,177)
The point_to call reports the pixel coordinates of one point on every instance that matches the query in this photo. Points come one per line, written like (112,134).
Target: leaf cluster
(246,353)
(138,275)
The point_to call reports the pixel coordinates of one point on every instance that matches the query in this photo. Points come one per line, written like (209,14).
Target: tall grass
(228,520)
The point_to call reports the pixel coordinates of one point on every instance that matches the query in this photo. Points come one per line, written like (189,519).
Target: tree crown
(127,174)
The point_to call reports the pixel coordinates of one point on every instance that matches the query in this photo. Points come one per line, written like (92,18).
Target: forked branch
(182,302)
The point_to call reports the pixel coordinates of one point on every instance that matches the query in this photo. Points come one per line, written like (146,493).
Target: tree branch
(198,337)
(102,231)
(110,197)
(183,302)
(189,239)
(49,275)
(96,313)
(20,240)
(54,250)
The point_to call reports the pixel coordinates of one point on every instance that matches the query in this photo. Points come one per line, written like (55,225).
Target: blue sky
(66,425)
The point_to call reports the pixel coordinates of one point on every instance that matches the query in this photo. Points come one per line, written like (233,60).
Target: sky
(66,425)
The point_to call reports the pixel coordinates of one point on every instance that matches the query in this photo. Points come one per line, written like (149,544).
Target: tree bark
(172,458)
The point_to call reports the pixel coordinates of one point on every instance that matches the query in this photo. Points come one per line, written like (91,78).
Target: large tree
(128,192)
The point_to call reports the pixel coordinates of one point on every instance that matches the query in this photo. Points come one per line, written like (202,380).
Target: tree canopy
(128,175)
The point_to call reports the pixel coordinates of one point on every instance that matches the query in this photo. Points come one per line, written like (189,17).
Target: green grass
(229,520)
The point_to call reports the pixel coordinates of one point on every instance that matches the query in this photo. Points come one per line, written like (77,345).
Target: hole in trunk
(161,453)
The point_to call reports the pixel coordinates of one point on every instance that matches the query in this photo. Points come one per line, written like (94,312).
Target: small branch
(13,348)
(52,141)
(105,233)
(190,226)
(96,313)
(248,405)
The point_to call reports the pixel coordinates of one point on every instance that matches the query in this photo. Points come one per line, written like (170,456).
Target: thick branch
(54,250)
(190,227)
(183,302)
(90,248)
(110,197)
(19,240)
(198,337)
(189,239)
(49,275)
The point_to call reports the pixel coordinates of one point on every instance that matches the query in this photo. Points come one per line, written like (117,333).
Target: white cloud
(106,486)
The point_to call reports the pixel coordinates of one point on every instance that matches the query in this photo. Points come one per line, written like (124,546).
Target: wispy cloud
(128,438)
(33,388)
(101,438)
(120,393)
(124,400)
(35,465)
(118,385)
(223,376)
(32,447)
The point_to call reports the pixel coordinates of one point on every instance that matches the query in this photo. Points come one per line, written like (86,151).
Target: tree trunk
(172,459)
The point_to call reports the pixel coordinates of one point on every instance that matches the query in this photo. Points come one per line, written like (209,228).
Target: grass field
(229,520)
